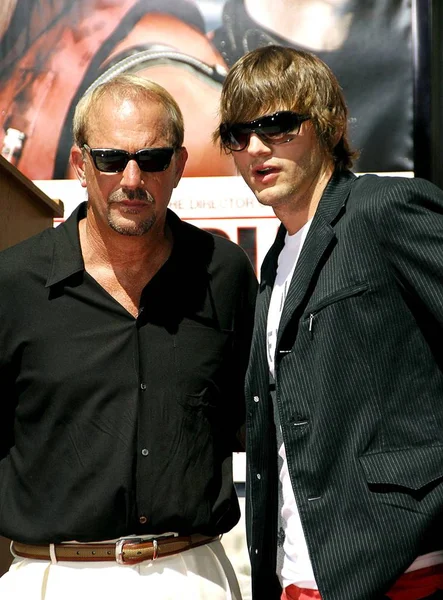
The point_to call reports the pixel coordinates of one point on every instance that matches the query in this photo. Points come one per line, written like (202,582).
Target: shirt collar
(67,256)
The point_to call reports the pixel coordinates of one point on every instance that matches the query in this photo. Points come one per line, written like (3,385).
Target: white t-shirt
(297,566)
(285,268)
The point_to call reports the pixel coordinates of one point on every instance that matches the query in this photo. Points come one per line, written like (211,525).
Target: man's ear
(78,164)
(181,158)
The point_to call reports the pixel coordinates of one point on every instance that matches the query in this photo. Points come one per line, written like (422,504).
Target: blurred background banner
(53,51)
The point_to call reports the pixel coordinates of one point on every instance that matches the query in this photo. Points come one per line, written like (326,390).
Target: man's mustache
(138,194)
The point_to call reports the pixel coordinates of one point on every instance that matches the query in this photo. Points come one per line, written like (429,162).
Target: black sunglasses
(149,160)
(271,129)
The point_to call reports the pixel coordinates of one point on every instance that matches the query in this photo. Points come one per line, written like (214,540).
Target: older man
(124,340)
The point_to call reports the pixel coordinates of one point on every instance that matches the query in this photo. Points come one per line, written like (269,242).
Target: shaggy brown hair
(276,78)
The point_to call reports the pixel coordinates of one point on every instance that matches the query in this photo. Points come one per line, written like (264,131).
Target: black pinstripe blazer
(359,385)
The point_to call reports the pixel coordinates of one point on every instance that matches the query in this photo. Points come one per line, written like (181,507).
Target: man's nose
(257,146)
(132,175)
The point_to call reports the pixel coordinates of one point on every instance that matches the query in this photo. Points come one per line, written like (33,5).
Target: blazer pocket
(410,468)
(342,294)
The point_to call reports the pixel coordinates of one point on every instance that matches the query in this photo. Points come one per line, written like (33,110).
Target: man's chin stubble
(134,230)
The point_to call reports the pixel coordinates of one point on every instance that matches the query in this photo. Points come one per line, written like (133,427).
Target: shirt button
(258,476)
(145,452)
(256,399)
(143,519)
(143,386)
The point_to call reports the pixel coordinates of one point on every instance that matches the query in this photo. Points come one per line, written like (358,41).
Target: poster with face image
(54,51)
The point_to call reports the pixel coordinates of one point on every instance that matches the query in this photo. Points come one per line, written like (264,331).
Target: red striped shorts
(415,585)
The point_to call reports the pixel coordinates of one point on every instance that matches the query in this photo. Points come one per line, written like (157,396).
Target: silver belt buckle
(138,540)
(119,548)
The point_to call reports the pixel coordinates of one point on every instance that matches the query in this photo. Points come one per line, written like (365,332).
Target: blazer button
(256,399)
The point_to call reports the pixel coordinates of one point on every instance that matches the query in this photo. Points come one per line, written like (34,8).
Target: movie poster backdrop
(54,51)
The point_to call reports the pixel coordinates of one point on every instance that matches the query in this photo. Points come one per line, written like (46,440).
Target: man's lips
(261,171)
(128,202)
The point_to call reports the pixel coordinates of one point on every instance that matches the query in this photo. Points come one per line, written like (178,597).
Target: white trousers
(202,573)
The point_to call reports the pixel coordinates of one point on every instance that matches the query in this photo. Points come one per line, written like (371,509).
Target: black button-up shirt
(112,425)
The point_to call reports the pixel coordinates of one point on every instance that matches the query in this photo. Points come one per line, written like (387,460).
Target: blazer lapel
(320,235)
(258,363)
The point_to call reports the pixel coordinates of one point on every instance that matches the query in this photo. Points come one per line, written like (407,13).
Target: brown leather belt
(125,551)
